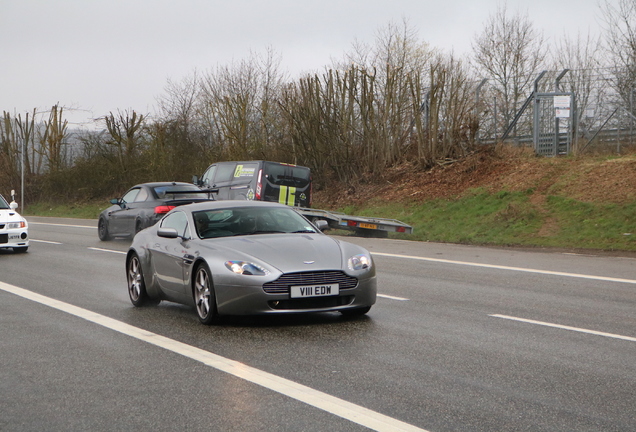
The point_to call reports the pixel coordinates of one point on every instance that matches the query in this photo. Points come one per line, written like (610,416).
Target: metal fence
(566,111)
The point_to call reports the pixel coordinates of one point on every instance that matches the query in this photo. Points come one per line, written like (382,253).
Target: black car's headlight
(359,262)
(246,268)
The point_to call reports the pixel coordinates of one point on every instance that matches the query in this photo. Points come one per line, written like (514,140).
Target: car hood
(286,252)
(10,216)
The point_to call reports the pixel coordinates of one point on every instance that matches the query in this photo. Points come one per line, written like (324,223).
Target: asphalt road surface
(461,339)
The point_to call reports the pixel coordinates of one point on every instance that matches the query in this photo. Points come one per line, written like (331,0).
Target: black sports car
(143,205)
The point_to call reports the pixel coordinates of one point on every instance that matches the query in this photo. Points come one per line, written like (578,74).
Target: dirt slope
(603,179)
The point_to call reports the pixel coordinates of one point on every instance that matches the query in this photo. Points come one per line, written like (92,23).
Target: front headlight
(16,225)
(246,268)
(359,262)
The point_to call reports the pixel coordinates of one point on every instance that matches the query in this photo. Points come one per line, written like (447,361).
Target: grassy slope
(508,197)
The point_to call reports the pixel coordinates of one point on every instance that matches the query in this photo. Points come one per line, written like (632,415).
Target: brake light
(259,185)
(163,209)
(401,229)
(351,223)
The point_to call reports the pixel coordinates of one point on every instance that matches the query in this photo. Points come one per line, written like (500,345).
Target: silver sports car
(245,258)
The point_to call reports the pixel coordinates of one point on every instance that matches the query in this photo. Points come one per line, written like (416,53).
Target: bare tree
(510,53)
(239,105)
(125,134)
(180,99)
(52,138)
(620,38)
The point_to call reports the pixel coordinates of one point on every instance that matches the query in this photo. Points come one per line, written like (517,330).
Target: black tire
(355,312)
(203,295)
(136,283)
(21,249)
(102,229)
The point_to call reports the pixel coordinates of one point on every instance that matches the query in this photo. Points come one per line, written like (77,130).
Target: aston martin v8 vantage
(247,258)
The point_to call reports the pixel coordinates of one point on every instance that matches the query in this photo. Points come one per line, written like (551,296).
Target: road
(461,339)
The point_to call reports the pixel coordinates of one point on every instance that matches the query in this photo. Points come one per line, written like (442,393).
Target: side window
(130,195)
(224,172)
(142,195)
(177,220)
(208,176)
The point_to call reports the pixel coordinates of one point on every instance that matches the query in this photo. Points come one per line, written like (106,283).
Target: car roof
(217,205)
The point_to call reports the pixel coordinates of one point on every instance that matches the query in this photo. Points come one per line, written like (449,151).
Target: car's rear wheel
(102,229)
(356,311)
(203,294)
(136,283)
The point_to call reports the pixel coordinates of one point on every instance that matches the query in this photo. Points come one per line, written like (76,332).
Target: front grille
(311,303)
(282,284)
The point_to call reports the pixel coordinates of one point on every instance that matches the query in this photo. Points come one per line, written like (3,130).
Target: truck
(287,184)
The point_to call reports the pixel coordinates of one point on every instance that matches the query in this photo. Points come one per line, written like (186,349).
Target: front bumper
(249,298)
(10,238)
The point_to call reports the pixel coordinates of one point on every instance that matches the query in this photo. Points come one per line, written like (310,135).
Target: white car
(14,229)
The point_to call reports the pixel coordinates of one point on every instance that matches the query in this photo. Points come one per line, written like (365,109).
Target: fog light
(23,236)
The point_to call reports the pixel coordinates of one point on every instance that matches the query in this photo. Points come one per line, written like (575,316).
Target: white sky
(98,56)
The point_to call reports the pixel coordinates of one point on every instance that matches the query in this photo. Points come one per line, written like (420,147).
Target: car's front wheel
(203,294)
(136,283)
(102,229)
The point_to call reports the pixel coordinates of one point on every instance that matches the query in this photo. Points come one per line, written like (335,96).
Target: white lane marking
(45,241)
(331,404)
(500,267)
(564,327)
(392,297)
(62,225)
(107,250)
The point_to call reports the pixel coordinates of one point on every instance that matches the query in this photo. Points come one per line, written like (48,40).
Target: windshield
(179,192)
(249,221)
(4,205)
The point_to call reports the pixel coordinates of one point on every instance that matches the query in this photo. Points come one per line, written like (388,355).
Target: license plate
(368,225)
(14,236)
(301,291)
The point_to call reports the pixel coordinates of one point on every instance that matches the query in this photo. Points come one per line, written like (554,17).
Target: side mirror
(322,224)
(119,202)
(13,205)
(195,180)
(167,233)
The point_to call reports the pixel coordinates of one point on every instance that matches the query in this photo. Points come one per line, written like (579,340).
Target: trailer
(362,226)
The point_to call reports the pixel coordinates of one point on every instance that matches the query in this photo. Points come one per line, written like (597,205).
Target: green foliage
(61,209)
(596,226)
(509,218)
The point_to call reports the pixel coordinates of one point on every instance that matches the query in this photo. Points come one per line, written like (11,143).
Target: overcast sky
(98,56)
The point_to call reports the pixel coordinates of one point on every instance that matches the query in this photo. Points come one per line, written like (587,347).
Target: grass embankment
(512,219)
(584,202)
(79,210)
(481,218)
